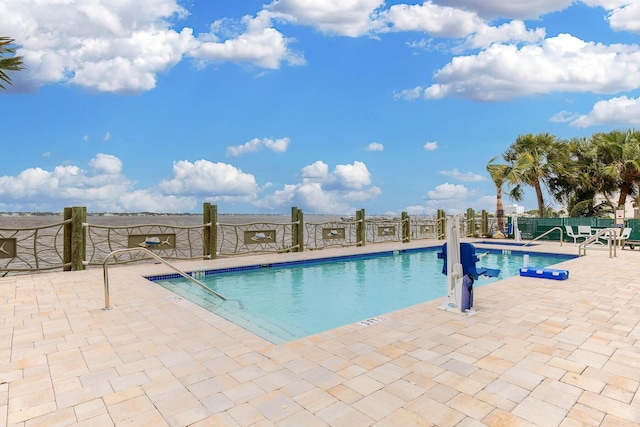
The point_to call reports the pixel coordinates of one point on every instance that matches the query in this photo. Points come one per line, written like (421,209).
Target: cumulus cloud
(448,191)
(343,177)
(615,111)
(260,44)
(453,198)
(318,170)
(347,18)
(559,64)
(518,9)
(374,146)
(430,146)
(513,31)
(99,186)
(106,163)
(625,16)
(152,201)
(439,21)
(122,47)
(322,191)
(208,179)
(464,177)
(276,145)
(102,187)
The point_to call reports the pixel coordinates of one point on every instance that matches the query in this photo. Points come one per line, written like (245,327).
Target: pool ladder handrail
(105,270)
(612,243)
(547,232)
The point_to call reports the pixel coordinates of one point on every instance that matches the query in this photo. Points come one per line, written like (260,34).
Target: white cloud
(318,170)
(464,177)
(625,16)
(276,145)
(353,176)
(563,117)
(260,44)
(122,46)
(103,188)
(560,64)
(520,9)
(322,191)
(150,201)
(448,191)
(36,188)
(614,111)
(374,146)
(454,199)
(347,18)
(209,179)
(106,163)
(513,31)
(343,177)
(430,146)
(107,136)
(438,21)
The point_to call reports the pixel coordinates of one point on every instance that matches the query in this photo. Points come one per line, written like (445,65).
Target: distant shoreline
(20,214)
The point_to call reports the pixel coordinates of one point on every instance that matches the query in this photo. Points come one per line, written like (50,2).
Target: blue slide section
(468,259)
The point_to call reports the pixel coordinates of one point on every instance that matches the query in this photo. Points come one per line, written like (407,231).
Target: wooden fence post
(471,222)
(75,238)
(361,228)
(210,232)
(406,228)
(297,230)
(485,223)
(294,229)
(441,225)
(66,239)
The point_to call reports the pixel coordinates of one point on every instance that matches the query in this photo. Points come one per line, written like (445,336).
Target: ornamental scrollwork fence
(172,242)
(75,244)
(33,249)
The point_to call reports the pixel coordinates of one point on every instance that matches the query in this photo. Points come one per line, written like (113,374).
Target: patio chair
(619,239)
(569,232)
(584,231)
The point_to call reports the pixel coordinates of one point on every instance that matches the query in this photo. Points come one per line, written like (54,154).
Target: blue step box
(544,273)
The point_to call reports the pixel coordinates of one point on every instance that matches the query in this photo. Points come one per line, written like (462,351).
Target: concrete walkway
(539,352)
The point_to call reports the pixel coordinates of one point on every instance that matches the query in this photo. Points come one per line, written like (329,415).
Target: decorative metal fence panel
(258,237)
(423,228)
(32,249)
(383,230)
(330,234)
(168,241)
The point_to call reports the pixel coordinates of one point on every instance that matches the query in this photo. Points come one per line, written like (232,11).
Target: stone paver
(537,353)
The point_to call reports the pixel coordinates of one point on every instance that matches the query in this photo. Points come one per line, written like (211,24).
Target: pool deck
(537,353)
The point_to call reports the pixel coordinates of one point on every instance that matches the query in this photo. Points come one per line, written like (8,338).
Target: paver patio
(538,352)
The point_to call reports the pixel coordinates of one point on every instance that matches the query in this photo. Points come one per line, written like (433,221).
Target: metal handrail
(612,232)
(545,233)
(105,268)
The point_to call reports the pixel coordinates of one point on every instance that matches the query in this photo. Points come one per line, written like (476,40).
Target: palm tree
(13,63)
(581,180)
(544,156)
(498,174)
(619,152)
(505,174)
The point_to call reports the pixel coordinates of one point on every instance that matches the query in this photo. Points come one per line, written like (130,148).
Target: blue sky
(327,105)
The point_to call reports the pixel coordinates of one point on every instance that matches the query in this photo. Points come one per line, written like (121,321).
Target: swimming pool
(285,301)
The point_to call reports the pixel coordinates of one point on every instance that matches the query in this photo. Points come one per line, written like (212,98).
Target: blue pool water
(289,301)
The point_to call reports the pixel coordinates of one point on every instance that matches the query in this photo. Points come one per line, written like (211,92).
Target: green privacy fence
(530,228)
